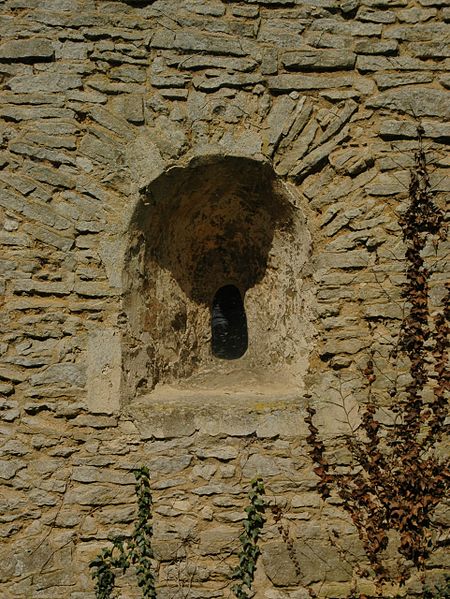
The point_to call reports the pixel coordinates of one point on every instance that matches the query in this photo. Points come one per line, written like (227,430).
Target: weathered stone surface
(151,153)
(387,80)
(417,102)
(319,60)
(398,63)
(376,47)
(45,82)
(197,42)
(392,129)
(33,50)
(286,83)
(62,374)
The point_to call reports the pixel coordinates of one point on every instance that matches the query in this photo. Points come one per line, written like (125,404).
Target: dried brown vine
(398,480)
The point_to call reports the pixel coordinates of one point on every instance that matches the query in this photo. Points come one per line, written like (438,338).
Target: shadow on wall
(212,225)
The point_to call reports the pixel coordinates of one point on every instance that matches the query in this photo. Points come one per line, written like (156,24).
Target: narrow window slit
(228,324)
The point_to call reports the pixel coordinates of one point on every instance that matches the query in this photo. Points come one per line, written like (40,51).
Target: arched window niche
(215,299)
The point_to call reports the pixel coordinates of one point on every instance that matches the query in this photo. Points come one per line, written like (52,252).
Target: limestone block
(216,540)
(103,371)
(287,83)
(27,50)
(418,33)
(415,101)
(65,374)
(45,82)
(25,113)
(319,60)
(197,42)
(368,46)
(387,80)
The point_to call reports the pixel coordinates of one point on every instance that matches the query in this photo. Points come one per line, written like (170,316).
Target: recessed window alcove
(215,299)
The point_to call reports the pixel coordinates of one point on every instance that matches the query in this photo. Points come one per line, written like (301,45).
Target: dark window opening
(228,324)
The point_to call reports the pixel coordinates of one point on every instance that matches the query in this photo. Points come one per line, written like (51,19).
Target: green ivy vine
(250,551)
(136,551)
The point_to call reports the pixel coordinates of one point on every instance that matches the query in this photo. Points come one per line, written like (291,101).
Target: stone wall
(102,103)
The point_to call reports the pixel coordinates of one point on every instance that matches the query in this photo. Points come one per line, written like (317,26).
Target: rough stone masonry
(152,153)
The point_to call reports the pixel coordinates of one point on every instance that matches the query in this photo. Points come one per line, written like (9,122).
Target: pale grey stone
(103,371)
(318,60)
(393,129)
(298,149)
(34,50)
(52,141)
(245,11)
(317,561)
(352,28)
(352,259)
(376,47)
(103,84)
(377,16)
(195,62)
(349,6)
(100,150)
(387,80)
(90,474)
(51,176)
(9,468)
(345,346)
(416,15)
(33,210)
(45,82)
(420,32)
(218,81)
(172,81)
(197,42)
(297,122)
(6,388)
(31,286)
(216,540)
(66,374)
(338,95)
(12,374)
(287,83)
(35,151)
(25,113)
(338,120)
(95,421)
(366,64)
(280,32)
(111,121)
(279,118)
(415,101)
(439,3)
(278,564)
(223,453)
(431,50)
(43,498)
(97,494)
(214,9)
(445,80)
(174,93)
(269,62)
(56,99)
(317,156)
(262,465)
(169,465)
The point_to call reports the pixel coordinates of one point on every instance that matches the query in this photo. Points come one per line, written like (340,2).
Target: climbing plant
(136,551)
(397,479)
(250,551)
